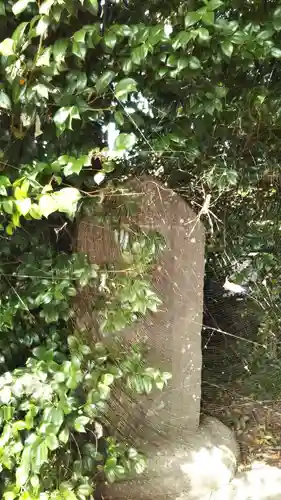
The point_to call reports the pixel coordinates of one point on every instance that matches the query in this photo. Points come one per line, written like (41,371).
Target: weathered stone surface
(185,470)
(260,483)
(172,335)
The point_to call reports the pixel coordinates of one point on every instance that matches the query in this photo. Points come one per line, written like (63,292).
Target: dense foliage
(193,89)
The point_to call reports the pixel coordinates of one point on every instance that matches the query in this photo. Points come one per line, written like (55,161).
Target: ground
(257,426)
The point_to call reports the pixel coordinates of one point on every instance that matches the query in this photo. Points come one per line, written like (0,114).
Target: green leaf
(238,37)
(4,181)
(191,18)
(8,206)
(23,471)
(107,379)
(67,199)
(42,25)
(41,456)
(172,60)
(182,39)
(61,116)
(42,90)
(74,166)
(79,36)
(194,63)
(105,80)
(124,87)
(18,35)
(138,54)
(5,395)
(208,17)
(59,50)
(47,205)
(80,422)
(2,8)
(79,49)
(203,34)
(183,62)
(5,102)
(9,495)
(52,442)
(7,47)
(214,4)
(84,490)
(44,58)
(227,48)
(119,118)
(23,206)
(110,40)
(54,416)
(124,142)
(46,6)
(94,6)
(277,19)
(64,435)
(275,52)
(20,6)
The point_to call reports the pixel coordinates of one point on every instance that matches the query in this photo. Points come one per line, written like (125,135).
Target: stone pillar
(163,425)
(173,334)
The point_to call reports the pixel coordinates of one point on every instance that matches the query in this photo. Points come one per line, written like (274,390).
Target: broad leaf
(124,87)
(227,48)
(105,80)
(124,142)
(42,25)
(44,58)
(276,52)
(20,6)
(5,102)
(59,50)
(110,40)
(61,116)
(139,54)
(191,18)
(7,47)
(277,19)
(47,205)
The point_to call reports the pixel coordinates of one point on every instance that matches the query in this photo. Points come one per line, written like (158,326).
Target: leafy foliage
(193,91)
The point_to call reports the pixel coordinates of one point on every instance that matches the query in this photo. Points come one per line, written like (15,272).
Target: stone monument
(182,455)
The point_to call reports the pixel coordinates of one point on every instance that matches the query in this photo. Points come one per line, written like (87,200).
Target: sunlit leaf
(47,205)
(277,19)
(124,87)
(44,58)
(124,142)
(61,116)
(5,102)
(20,6)
(23,206)
(7,47)
(59,49)
(46,6)
(42,25)
(276,52)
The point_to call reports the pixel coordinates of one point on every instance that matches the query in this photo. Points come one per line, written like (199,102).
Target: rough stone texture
(172,335)
(185,470)
(260,483)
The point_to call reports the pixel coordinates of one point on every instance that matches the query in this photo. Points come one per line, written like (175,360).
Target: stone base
(186,470)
